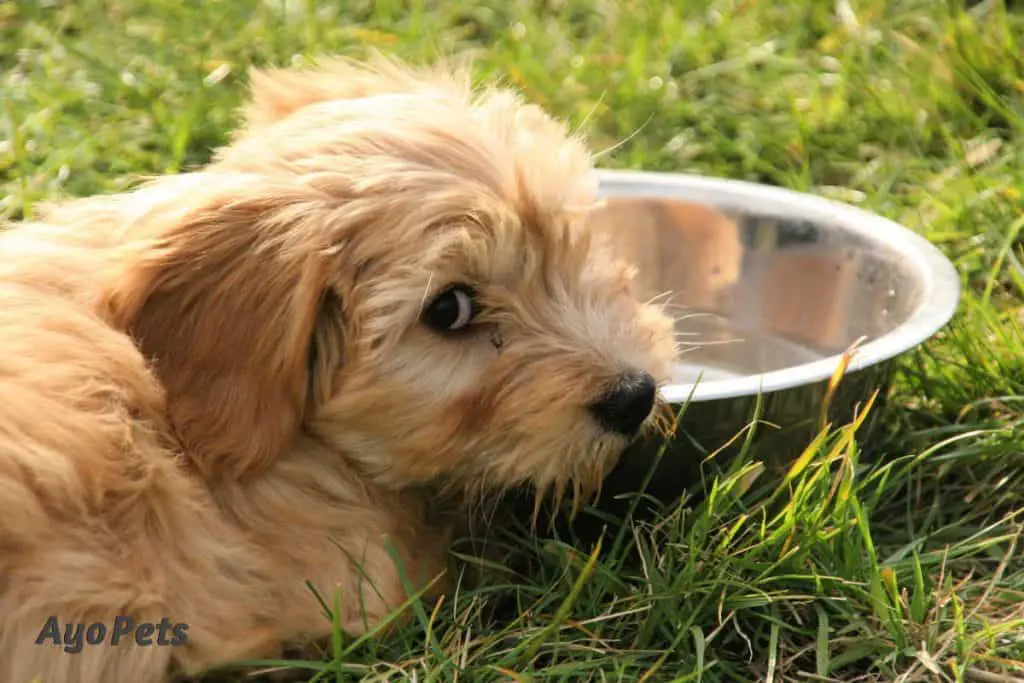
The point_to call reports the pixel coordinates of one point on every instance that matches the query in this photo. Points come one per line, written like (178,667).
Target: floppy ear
(278,93)
(224,298)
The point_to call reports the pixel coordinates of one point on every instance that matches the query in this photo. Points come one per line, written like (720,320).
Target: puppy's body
(105,517)
(204,383)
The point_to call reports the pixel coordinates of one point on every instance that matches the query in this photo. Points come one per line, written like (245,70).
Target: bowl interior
(761,289)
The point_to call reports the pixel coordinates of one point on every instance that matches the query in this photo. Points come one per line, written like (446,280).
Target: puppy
(229,386)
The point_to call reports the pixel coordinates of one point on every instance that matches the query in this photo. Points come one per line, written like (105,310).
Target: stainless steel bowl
(770,287)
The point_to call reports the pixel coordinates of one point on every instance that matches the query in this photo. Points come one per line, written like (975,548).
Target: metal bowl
(770,287)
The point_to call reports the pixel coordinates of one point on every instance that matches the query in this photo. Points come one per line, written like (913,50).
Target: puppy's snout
(627,404)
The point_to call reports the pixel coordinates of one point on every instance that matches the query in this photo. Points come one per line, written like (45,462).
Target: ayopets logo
(75,637)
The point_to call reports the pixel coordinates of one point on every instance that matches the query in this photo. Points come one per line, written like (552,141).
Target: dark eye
(451,310)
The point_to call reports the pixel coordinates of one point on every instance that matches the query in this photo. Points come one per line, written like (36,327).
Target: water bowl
(770,287)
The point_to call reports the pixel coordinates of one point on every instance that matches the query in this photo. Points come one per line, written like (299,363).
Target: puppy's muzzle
(627,404)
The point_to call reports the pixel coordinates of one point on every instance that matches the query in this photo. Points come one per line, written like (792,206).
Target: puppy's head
(399,269)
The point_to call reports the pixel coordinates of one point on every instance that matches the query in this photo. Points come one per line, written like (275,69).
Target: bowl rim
(938,276)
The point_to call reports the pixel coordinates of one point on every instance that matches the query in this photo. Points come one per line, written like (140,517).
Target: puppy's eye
(451,310)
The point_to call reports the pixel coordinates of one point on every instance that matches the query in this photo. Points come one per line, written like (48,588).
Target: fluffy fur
(218,387)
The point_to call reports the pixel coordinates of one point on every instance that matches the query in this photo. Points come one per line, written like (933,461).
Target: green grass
(850,568)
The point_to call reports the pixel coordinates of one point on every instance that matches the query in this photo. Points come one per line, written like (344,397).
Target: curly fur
(217,387)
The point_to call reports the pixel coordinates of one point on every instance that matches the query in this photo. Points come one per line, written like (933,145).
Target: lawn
(895,562)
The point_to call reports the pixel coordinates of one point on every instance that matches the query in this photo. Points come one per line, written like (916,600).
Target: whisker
(626,140)
(713,342)
(654,300)
(600,100)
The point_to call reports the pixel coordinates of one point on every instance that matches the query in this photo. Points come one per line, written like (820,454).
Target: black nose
(625,407)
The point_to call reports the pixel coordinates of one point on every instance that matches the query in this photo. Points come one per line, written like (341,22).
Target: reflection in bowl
(769,288)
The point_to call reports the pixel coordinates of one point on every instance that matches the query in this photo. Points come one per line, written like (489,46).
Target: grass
(905,567)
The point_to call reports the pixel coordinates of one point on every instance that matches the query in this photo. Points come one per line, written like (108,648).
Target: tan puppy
(231,382)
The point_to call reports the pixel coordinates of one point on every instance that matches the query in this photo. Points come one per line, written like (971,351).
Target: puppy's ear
(278,93)
(224,298)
